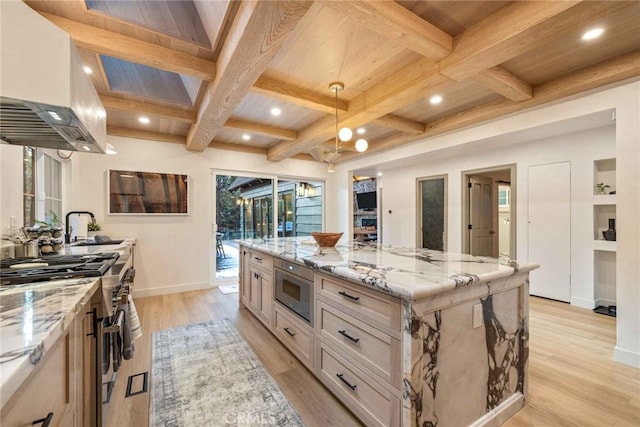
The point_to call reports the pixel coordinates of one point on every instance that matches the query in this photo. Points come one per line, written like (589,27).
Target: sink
(111,242)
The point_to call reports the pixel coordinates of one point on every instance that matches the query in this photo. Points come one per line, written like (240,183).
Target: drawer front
(261,259)
(370,347)
(373,403)
(383,310)
(47,389)
(294,336)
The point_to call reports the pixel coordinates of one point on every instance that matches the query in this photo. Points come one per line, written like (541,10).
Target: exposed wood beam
(133,50)
(399,123)
(262,129)
(254,150)
(613,71)
(413,83)
(258,31)
(394,21)
(491,41)
(120,104)
(296,95)
(145,134)
(506,84)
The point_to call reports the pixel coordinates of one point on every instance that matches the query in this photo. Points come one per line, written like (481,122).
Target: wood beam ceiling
(258,31)
(145,134)
(133,50)
(296,95)
(615,70)
(400,123)
(120,104)
(262,129)
(424,76)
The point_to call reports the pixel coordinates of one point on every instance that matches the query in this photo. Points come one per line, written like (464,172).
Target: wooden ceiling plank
(145,134)
(394,21)
(612,71)
(491,42)
(237,147)
(121,104)
(506,84)
(296,95)
(416,80)
(258,31)
(133,50)
(262,129)
(399,123)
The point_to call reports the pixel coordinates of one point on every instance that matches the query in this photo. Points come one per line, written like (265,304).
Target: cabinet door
(87,409)
(245,278)
(254,290)
(266,297)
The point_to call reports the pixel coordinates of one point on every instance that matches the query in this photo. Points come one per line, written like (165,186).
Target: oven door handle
(115,326)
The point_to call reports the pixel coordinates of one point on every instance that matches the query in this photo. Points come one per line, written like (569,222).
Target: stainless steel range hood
(46,99)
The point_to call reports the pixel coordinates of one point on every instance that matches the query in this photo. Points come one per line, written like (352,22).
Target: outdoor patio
(227,260)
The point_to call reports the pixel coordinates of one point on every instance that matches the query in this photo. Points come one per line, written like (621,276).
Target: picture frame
(147,193)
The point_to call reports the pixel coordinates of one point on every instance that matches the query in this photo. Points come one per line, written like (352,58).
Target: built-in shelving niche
(604,275)
(604,172)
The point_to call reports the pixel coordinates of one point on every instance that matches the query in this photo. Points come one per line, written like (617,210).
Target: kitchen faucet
(67,231)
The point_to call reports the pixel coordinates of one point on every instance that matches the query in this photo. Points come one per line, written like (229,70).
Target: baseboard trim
(173,289)
(626,357)
(583,303)
(500,414)
(604,302)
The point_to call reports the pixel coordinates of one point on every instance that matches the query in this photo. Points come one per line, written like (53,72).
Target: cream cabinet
(60,391)
(256,284)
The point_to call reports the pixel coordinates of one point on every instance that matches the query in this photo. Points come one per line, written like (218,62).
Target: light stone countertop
(33,317)
(403,272)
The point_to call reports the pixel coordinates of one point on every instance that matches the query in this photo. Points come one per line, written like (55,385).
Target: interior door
(550,230)
(481,206)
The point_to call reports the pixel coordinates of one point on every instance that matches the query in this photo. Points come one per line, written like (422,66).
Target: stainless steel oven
(294,288)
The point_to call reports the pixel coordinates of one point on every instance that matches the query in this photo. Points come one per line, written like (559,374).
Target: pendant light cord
(336,90)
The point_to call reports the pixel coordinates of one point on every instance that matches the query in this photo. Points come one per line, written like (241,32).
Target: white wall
(624,98)
(173,253)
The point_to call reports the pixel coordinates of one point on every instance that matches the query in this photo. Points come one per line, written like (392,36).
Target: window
(29,186)
(42,176)
(504,196)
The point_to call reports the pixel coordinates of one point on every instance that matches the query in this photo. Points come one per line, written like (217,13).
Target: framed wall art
(147,193)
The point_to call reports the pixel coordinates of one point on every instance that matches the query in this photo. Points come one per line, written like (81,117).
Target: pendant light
(345,134)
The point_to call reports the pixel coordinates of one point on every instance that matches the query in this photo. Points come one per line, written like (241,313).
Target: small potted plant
(92,229)
(601,188)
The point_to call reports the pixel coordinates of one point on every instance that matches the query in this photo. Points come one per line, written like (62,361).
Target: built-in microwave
(294,288)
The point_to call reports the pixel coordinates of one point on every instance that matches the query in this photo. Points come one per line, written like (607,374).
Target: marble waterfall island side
(464,325)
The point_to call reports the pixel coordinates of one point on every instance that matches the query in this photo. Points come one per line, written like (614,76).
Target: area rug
(207,375)
(229,289)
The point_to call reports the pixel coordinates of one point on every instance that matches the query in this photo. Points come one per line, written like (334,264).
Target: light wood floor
(573,379)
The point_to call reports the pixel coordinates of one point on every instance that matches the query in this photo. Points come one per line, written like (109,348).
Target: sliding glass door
(432,212)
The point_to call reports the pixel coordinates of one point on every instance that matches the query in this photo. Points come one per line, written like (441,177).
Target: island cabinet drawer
(373,403)
(380,310)
(296,336)
(48,390)
(361,343)
(261,259)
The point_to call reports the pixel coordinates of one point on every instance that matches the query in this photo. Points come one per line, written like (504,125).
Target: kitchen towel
(136,329)
(128,348)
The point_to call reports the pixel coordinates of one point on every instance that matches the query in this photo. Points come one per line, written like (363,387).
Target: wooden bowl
(326,240)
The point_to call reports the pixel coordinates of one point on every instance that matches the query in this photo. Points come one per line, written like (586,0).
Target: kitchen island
(405,336)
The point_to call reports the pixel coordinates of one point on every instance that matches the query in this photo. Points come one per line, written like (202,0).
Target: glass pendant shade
(361,145)
(345,134)
(330,168)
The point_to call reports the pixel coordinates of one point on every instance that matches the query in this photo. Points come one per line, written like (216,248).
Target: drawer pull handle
(346,295)
(289,332)
(257,258)
(353,387)
(94,321)
(44,421)
(346,335)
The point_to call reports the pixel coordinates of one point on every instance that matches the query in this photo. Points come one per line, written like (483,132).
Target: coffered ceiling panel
(569,52)
(234,136)
(126,119)
(455,98)
(257,108)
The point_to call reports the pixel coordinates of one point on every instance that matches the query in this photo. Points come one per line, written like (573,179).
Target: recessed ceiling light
(361,131)
(86,148)
(144,120)
(87,69)
(379,173)
(435,99)
(594,33)
(246,136)
(275,111)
